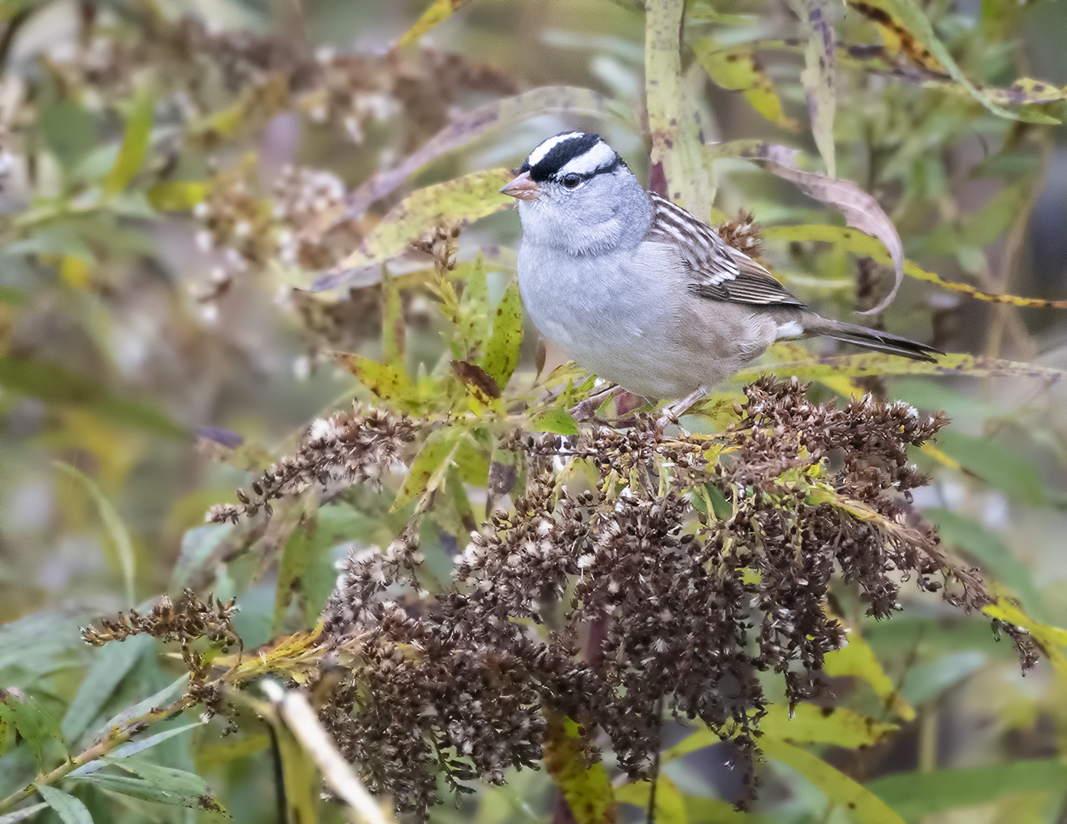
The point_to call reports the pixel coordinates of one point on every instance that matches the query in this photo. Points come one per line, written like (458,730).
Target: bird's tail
(869,338)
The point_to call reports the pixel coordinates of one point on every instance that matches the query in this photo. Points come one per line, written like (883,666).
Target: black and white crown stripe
(571,153)
(718,271)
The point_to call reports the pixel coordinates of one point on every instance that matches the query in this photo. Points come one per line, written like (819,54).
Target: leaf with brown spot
(387,382)
(897,39)
(505,343)
(464,199)
(737,68)
(392,323)
(429,466)
(476,378)
(584,784)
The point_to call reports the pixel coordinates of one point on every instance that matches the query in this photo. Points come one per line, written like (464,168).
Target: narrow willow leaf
(163,785)
(864,806)
(134,144)
(387,382)
(554,420)
(860,209)
(23,814)
(111,665)
(216,755)
(429,466)
(898,40)
(820,75)
(1001,467)
(302,783)
(54,384)
(670,808)
(469,126)
(857,659)
(672,119)
(738,69)
(134,747)
(916,796)
(466,198)
(916,22)
(116,529)
(586,787)
(32,721)
(810,724)
(502,352)
(296,559)
(439,10)
(138,710)
(863,245)
(859,366)
(69,809)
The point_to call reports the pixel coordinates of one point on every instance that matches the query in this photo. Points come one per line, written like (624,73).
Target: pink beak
(522,188)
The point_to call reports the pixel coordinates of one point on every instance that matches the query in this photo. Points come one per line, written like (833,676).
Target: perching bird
(640,292)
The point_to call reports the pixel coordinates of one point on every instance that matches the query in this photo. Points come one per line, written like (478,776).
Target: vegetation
(253,273)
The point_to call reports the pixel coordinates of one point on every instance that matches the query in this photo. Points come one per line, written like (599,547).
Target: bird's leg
(674,411)
(585,410)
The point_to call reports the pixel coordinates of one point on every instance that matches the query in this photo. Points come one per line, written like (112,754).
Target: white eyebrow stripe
(538,154)
(601,154)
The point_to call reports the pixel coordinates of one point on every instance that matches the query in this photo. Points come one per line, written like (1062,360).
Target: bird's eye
(572,180)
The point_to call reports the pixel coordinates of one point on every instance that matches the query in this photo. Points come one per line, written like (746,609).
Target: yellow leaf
(670,807)
(134,144)
(1051,639)
(823,725)
(429,466)
(857,659)
(439,10)
(584,785)
(75,271)
(738,69)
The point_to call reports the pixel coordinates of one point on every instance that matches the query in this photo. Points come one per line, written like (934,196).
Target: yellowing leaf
(859,366)
(387,382)
(502,351)
(823,725)
(1051,639)
(738,69)
(865,806)
(466,198)
(857,659)
(670,807)
(177,196)
(134,144)
(584,785)
(439,10)
(429,466)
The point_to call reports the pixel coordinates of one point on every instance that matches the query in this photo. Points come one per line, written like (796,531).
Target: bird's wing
(716,271)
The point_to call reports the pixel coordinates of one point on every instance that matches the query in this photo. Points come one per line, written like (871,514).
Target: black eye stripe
(611,167)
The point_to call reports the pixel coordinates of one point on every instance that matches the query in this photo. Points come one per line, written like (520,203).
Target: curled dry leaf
(860,209)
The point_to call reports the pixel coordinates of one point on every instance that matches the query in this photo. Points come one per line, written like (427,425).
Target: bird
(639,291)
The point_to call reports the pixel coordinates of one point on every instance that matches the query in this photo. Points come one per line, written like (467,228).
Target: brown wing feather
(717,271)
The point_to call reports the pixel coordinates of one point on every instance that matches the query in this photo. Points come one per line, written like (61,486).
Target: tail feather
(869,338)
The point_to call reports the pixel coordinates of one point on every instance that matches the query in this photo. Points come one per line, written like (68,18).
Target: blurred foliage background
(176,174)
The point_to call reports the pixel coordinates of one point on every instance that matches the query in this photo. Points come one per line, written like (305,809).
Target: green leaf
(164,785)
(713,811)
(197,545)
(296,559)
(392,323)
(112,663)
(670,808)
(502,352)
(819,75)
(986,547)
(387,382)
(33,723)
(672,116)
(466,198)
(134,144)
(24,813)
(134,747)
(865,806)
(917,795)
(823,725)
(428,467)
(554,420)
(116,530)
(12,296)
(926,681)
(584,785)
(1001,467)
(141,708)
(67,807)
(69,131)
(54,384)
(474,308)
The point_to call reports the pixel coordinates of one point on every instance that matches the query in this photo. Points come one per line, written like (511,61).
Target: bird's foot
(586,410)
(672,412)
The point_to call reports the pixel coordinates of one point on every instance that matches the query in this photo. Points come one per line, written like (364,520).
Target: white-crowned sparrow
(637,290)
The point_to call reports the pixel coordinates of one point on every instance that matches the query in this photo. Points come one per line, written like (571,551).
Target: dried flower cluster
(683,608)
(185,621)
(348,448)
